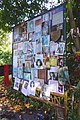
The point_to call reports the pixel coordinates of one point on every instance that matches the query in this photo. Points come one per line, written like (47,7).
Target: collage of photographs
(38,54)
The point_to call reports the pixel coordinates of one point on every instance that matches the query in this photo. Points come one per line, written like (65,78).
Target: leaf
(27,105)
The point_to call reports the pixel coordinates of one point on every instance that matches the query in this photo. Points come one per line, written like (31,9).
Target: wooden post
(6,75)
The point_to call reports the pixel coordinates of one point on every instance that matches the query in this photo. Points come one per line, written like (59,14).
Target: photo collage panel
(39,47)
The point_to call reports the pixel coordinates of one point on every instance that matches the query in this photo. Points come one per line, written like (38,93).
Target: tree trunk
(73,24)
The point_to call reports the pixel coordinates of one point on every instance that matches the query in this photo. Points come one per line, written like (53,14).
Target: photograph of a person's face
(45,28)
(32,84)
(27,66)
(39,62)
(52,75)
(26,84)
(31,37)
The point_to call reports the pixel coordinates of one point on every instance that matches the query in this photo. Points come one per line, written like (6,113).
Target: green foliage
(73,115)
(5,50)
(18,10)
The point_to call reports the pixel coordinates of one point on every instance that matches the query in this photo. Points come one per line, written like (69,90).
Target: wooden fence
(2,70)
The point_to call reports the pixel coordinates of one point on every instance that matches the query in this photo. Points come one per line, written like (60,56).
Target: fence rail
(2,70)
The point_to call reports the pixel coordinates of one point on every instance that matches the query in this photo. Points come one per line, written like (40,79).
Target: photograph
(60,61)
(14,72)
(26,84)
(16,34)
(60,89)
(20,72)
(27,66)
(29,48)
(16,85)
(25,47)
(23,31)
(31,36)
(38,61)
(20,53)
(38,22)
(53,47)
(37,35)
(42,75)
(45,50)
(15,52)
(45,40)
(25,88)
(20,62)
(61,48)
(53,73)
(34,74)
(15,46)
(31,26)
(27,76)
(28,57)
(47,16)
(38,46)
(32,84)
(15,60)
(53,61)
(45,28)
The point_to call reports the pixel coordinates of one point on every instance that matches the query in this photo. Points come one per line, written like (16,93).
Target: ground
(14,106)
